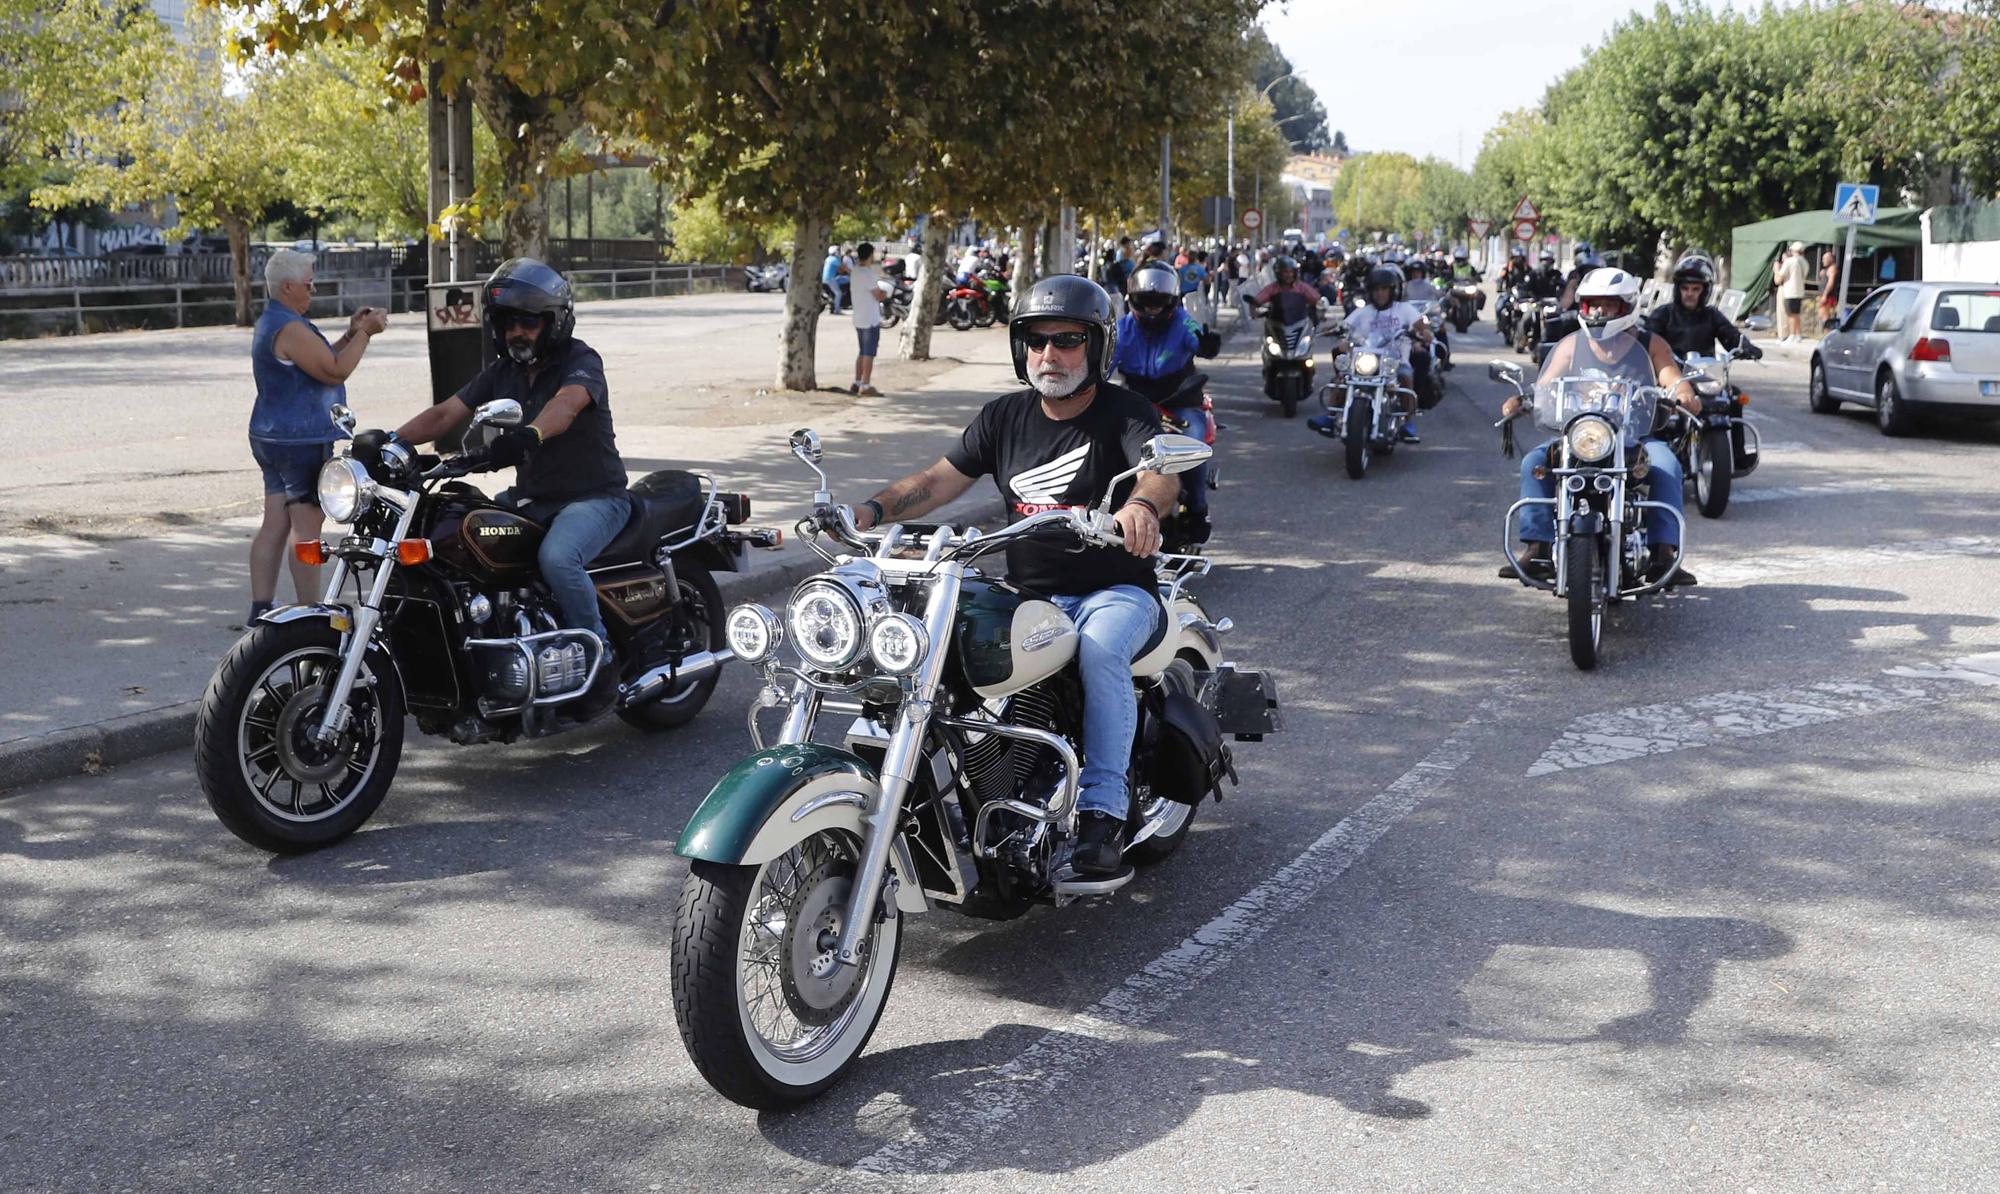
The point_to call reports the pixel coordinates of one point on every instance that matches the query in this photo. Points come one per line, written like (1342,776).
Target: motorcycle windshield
(1613,378)
(1289,306)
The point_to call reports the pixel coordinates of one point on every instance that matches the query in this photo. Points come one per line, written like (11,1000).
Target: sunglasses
(509,320)
(1067,341)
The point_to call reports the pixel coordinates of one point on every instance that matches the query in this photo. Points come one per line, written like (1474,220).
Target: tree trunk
(1024,261)
(239,265)
(798,349)
(935,268)
(524,230)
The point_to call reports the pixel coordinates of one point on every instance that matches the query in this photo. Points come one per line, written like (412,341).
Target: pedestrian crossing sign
(1854,202)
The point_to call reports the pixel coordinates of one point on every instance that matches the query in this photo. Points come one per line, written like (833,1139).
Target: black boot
(1098,844)
(1663,557)
(1536,562)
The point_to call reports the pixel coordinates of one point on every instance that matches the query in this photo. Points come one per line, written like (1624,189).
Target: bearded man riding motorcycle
(1610,342)
(1383,319)
(571,478)
(1059,443)
(1689,324)
(1157,344)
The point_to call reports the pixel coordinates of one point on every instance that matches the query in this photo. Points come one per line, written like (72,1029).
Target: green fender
(727,826)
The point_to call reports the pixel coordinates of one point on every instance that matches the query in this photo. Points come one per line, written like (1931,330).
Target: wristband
(540,439)
(880,514)
(1136,500)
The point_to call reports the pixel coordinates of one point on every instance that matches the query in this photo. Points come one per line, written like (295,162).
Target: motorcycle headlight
(345,489)
(897,642)
(1367,364)
(1271,345)
(824,621)
(753,632)
(1590,439)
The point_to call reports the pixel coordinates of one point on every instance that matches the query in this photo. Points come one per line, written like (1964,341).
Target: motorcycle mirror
(501,412)
(805,445)
(1758,323)
(1170,454)
(1504,371)
(343,418)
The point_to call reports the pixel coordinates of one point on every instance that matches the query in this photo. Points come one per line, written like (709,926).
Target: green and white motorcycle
(954,784)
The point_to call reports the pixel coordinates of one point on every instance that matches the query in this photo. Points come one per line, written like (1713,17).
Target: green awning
(1754,248)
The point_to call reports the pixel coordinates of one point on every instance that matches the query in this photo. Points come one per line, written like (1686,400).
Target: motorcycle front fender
(341,617)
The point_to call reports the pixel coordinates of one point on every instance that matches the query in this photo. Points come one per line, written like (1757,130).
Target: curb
(90,749)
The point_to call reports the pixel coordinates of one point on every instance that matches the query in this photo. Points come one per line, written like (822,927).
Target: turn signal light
(310,551)
(411,552)
(1931,348)
(1743,397)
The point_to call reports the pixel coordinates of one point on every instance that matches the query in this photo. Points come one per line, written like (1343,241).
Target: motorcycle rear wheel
(1586,610)
(253,752)
(762,1016)
(1174,817)
(701,601)
(1714,469)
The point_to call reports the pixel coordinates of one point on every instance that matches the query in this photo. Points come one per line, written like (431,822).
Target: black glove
(1751,352)
(368,446)
(511,448)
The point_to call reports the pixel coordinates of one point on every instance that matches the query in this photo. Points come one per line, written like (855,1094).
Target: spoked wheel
(1586,603)
(1173,816)
(1355,436)
(699,627)
(1714,470)
(257,756)
(767,1013)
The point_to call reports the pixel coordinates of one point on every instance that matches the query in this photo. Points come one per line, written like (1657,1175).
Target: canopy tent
(1754,248)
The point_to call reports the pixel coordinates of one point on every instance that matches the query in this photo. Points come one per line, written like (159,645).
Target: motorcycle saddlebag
(1246,704)
(1190,760)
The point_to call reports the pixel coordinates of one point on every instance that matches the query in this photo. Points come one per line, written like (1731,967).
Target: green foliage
(62,63)
(1298,113)
(1380,193)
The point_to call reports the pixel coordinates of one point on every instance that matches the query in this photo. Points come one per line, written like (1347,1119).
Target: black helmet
(1518,251)
(525,286)
(1416,268)
(1284,263)
(1071,297)
(1694,267)
(1459,254)
(1384,275)
(1546,257)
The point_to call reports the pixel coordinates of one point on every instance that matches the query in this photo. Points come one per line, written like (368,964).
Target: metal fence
(161,300)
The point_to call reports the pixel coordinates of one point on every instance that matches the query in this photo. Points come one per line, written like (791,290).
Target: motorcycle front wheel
(768,1015)
(1714,469)
(267,778)
(1586,609)
(1355,436)
(960,315)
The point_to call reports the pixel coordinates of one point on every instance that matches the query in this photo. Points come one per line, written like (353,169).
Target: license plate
(1990,389)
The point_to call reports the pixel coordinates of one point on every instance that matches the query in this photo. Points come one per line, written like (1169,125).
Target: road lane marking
(1615,737)
(1779,563)
(940,1139)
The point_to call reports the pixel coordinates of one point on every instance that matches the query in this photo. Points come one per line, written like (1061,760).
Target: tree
(1969,106)
(1339,144)
(1298,108)
(179,133)
(60,61)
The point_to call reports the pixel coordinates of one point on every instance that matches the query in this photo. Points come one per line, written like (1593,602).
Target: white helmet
(1608,283)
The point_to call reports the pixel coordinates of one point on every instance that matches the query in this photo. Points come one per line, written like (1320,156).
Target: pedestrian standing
(1790,278)
(299,378)
(1829,286)
(862,284)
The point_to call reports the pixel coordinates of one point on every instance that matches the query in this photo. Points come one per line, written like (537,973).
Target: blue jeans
(578,531)
(1113,624)
(1538,524)
(1194,482)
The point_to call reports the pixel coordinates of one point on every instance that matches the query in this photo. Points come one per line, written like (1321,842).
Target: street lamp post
(1232,140)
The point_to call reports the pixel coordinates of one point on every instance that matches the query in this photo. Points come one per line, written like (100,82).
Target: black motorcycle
(1290,320)
(301,729)
(1721,445)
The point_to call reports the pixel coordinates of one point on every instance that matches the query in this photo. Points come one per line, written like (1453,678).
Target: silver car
(1914,348)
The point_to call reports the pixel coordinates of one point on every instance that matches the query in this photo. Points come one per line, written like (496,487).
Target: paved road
(1719,916)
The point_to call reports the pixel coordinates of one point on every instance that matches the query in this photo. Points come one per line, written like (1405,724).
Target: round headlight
(1590,438)
(753,632)
(1366,364)
(825,625)
(344,489)
(896,642)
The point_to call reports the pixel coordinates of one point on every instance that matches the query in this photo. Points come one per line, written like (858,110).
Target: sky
(1449,68)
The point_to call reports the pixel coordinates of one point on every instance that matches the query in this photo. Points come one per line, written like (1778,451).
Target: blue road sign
(1855,202)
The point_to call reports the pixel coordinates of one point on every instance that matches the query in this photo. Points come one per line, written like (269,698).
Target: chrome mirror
(1504,371)
(1169,454)
(805,445)
(1758,323)
(343,418)
(501,412)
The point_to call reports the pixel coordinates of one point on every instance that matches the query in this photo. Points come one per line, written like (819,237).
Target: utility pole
(450,164)
(1166,183)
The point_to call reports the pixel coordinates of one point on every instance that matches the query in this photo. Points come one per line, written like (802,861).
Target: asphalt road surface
(1718,916)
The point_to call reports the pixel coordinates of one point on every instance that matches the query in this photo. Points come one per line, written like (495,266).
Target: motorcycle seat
(663,503)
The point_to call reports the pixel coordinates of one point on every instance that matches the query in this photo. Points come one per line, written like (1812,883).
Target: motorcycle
(1721,444)
(1290,319)
(955,786)
(994,307)
(1179,532)
(1507,308)
(1463,301)
(1529,329)
(1372,408)
(1600,551)
(300,731)
(896,305)
(765,279)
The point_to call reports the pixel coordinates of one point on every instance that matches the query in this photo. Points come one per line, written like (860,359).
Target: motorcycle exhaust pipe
(665,676)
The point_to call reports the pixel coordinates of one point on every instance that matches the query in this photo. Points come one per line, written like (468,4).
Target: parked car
(1913,348)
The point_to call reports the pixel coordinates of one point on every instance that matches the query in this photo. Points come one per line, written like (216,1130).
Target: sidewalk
(107,638)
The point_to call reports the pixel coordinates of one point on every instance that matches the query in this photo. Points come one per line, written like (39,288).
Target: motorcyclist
(1157,344)
(1285,273)
(1547,281)
(833,273)
(1610,344)
(1586,260)
(1517,270)
(1058,443)
(1462,269)
(1419,291)
(570,479)
(1382,323)
(1689,324)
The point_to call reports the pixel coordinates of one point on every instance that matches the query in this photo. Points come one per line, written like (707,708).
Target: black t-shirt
(581,462)
(1043,464)
(1688,332)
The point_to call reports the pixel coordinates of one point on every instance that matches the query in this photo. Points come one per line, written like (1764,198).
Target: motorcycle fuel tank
(488,542)
(1008,640)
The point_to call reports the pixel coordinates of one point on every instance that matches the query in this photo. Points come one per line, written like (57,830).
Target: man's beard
(522,351)
(1052,382)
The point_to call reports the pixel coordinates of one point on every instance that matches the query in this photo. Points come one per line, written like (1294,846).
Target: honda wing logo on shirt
(1041,488)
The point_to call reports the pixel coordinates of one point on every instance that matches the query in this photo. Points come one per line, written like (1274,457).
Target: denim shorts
(871,339)
(291,469)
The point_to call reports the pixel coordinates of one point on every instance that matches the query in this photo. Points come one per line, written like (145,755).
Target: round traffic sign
(1524,230)
(1253,219)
